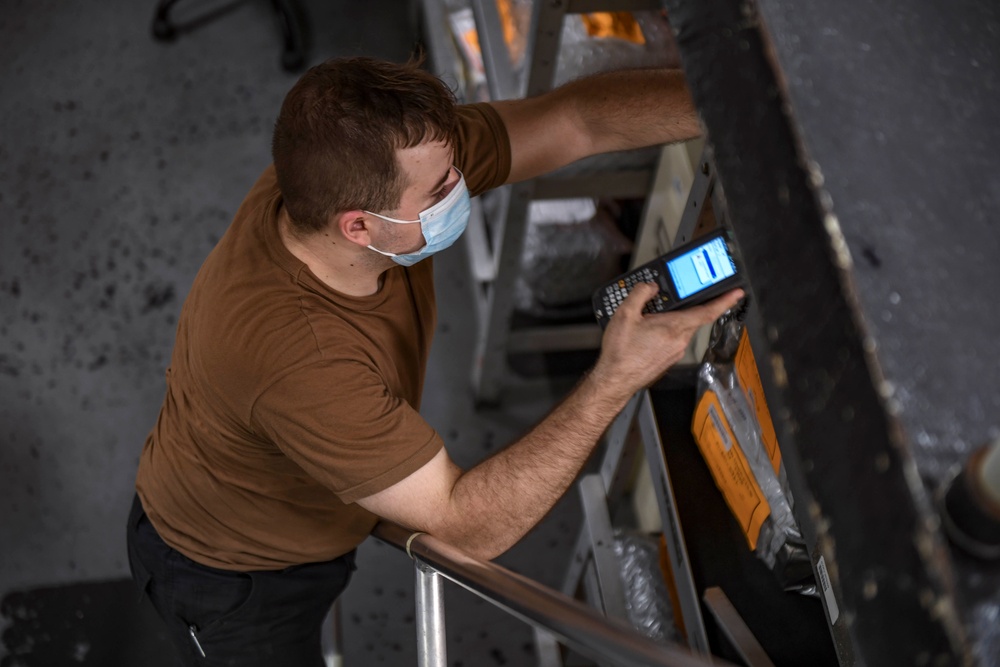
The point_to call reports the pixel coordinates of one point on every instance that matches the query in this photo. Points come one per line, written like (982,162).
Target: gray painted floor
(121,163)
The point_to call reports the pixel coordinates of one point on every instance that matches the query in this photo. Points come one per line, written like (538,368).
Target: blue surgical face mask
(441,224)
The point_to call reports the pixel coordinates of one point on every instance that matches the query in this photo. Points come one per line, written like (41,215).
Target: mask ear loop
(398,222)
(431,213)
(381,252)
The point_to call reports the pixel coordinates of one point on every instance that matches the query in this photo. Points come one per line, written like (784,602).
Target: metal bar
(547,649)
(578,626)
(578,562)
(665,204)
(680,563)
(610,592)
(490,364)
(624,184)
(556,337)
(436,36)
(480,257)
(496,56)
(704,176)
(735,629)
(431,645)
(616,466)
(615,469)
(333,637)
(702,188)
(592,584)
(543,46)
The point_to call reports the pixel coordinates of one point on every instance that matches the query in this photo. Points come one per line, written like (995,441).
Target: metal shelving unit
(636,433)
(495,245)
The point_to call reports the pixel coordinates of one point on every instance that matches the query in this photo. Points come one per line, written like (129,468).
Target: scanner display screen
(701,268)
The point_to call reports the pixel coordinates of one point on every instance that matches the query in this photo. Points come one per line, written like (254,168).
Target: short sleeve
(483,151)
(339,423)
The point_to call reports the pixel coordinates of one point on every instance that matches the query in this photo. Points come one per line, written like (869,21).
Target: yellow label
(729,467)
(749,376)
(511,35)
(613,24)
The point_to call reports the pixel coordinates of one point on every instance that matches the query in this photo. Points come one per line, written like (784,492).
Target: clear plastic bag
(572,247)
(779,542)
(647,600)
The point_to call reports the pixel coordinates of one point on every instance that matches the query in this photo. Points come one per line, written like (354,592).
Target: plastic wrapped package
(647,600)
(734,433)
(571,247)
(581,53)
(589,43)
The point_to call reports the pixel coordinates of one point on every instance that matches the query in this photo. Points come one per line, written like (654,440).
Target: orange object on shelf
(729,466)
(613,24)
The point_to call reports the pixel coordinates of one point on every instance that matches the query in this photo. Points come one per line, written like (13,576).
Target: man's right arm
(488,508)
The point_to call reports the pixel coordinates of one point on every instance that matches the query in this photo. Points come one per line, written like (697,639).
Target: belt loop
(136,513)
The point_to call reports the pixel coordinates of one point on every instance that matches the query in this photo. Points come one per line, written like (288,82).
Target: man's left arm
(611,111)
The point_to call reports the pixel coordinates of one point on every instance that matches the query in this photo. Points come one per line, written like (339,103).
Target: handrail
(606,640)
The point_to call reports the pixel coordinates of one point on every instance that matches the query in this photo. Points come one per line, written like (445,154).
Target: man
(290,421)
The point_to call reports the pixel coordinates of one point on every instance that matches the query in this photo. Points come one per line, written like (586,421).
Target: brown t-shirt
(287,401)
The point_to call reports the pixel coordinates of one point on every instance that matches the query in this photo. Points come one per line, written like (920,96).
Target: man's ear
(353,225)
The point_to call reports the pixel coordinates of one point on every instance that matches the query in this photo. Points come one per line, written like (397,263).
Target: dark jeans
(221,617)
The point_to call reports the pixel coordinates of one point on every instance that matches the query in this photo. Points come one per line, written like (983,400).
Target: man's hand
(638,348)
(488,508)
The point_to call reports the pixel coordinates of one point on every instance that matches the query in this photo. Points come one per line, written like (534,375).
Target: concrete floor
(122,161)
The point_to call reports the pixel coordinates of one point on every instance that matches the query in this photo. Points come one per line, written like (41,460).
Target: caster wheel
(292,61)
(163,30)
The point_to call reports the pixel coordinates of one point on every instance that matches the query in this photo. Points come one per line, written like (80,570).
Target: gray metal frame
(605,640)
(603,580)
(432,649)
(680,563)
(735,629)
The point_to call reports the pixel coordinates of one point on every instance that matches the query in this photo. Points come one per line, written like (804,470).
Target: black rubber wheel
(164,30)
(292,61)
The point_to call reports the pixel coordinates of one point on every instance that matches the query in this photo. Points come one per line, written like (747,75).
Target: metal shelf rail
(605,640)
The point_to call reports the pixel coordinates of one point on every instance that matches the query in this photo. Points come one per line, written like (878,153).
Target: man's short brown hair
(336,137)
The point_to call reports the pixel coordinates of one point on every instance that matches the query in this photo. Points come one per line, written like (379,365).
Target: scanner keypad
(615,293)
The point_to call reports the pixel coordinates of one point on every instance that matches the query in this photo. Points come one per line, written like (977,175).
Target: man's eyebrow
(441,182)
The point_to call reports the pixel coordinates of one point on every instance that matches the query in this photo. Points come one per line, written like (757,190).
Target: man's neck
(333,260)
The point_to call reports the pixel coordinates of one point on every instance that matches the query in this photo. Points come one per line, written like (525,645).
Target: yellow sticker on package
(729,467)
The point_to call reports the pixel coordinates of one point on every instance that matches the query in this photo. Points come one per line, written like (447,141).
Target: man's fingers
(696,315)
(713,310)
(638,298)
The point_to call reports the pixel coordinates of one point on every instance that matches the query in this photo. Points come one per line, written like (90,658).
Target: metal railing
(608,641)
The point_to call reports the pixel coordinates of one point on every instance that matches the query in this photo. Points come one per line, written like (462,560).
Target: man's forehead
(425,149)
(426,161)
